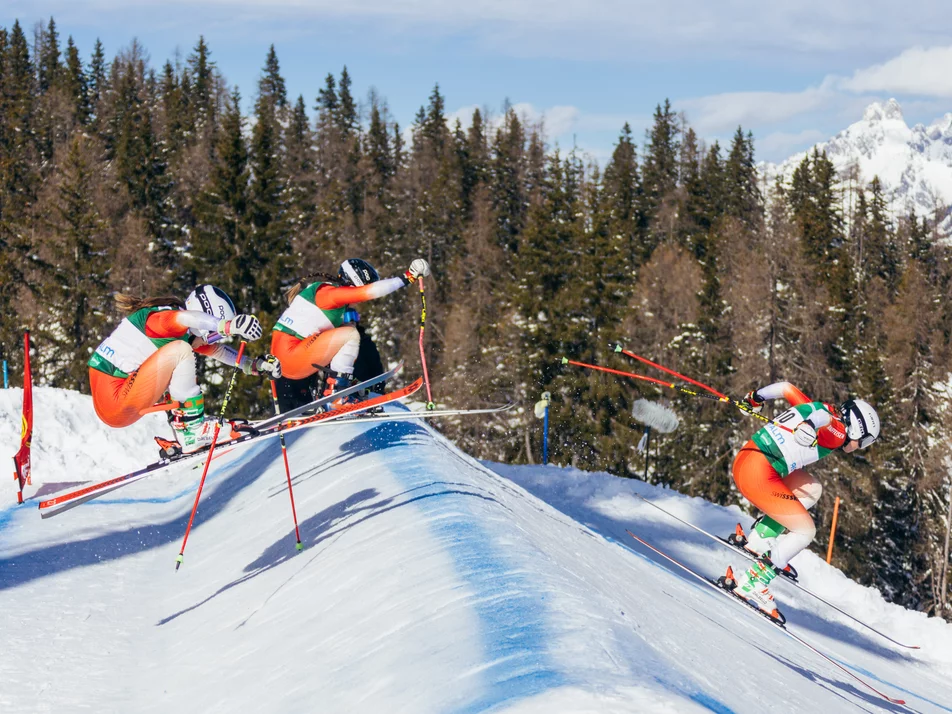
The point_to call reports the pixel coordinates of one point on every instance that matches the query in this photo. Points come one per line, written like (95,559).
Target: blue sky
(792,76)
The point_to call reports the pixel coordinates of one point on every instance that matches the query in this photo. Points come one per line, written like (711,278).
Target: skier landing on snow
(769,471)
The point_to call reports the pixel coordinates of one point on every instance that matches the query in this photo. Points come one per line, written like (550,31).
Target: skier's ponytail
(129,303)
(301,283)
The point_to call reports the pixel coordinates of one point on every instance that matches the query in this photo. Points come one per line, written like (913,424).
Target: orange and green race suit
(311,333)
(150,351)
(769,472)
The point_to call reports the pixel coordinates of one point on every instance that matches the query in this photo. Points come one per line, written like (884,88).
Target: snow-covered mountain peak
(889,111)
(940,128)
(913,164)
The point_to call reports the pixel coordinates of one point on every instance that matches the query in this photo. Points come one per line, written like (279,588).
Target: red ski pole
(628,353)
(684,390)
(211,450)
(287,469)
(426,377)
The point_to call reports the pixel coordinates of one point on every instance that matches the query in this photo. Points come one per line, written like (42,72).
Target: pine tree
(299,150)
(622,198)
(660,169)
(263,259)
(139,163)
(508,171)
(97,76)
(222,207)
(19,181)
(742,195)
(76,85)
(812,199)
(48,63)
(882,256)
(201,99)
(76,299)
(346,116)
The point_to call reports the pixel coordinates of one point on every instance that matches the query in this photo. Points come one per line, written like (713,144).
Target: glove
(805,434)
(268,366)
(753,402)
(245,326)
(418,268)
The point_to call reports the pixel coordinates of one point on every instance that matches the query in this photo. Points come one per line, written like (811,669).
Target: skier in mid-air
(152,352)
(769,472)
(317,331)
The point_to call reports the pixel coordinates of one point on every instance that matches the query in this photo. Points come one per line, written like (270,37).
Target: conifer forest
(120,175)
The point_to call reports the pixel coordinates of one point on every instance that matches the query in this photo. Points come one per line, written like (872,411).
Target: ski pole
(287,469)
(684,390)
(211,449)
(628,353)
(426,377)
(723,397)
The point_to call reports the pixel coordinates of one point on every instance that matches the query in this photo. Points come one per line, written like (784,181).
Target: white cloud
(557,120)
(781,144)
(918,71)
(725,112)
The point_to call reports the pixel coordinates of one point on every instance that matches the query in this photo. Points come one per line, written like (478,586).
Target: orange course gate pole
(836,512)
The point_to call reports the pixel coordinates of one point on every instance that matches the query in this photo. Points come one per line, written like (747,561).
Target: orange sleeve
(783,389)
(331,297)
(164,324)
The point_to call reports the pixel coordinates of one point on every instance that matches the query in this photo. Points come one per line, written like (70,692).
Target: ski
(776,623)
(64,502)
(796,583)
(323,401)
(422,414)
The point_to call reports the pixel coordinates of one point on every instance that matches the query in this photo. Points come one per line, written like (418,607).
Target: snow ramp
(428,583)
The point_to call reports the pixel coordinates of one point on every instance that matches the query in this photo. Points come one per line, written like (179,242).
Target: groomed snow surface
(429,583)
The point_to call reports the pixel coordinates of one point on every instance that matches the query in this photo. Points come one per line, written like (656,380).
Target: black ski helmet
(355,271)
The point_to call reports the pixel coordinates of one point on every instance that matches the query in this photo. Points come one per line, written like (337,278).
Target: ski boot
(763,535)
(335,382)
(193,430)
(751,587)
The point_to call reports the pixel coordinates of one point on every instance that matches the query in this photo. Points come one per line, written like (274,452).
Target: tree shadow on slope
(335,520)
(378,439)
(50,560)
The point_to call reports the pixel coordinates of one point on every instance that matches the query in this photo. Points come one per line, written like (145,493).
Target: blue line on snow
(860,670)
(6,515)
(506,601)
(711,703)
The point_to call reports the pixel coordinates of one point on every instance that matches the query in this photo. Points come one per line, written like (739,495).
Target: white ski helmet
(211,300)
(355,271)
(862,422)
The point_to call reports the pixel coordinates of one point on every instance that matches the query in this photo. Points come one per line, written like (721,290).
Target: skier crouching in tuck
(152,352)
(317,330)
(769,472)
